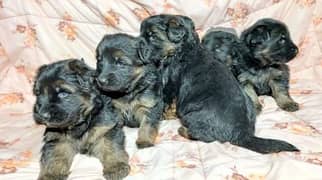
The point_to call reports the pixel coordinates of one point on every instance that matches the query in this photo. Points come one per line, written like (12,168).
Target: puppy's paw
(117,172)
(290,106)
(183,131)
(143,144)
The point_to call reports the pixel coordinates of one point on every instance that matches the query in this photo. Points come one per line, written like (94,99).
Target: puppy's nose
(295,50)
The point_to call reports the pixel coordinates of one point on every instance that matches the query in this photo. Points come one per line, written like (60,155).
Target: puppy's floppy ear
(255,35)
(189,25)
(144,51)
(176,30)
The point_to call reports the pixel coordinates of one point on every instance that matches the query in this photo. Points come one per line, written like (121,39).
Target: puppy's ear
(79,66)
(40,70)
(255,35)
(176,30)
(189,25)
(144,51)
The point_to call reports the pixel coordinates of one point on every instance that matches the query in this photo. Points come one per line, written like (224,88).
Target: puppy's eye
(253,42)
(63,94)
(281,41)
(153,37)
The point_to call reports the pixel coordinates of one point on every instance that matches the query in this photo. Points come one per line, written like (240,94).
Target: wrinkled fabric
(37,32)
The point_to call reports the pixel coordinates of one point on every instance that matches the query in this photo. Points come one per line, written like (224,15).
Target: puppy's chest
(130,108)
(260,78)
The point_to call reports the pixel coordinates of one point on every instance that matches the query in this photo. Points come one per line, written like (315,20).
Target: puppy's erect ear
(41,69)
(176,30)
(144,51)
(79,66)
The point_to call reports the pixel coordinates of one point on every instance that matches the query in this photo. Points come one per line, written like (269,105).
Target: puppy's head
(223,43)
(121,62)
(168,35)
(269,42)
(64,94)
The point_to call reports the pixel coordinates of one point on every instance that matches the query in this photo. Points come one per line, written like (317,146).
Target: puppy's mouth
(290,56)
(112,89)
(113,92)
(109,88)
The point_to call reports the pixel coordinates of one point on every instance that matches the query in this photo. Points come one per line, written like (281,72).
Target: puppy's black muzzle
(40,115)
(106,81)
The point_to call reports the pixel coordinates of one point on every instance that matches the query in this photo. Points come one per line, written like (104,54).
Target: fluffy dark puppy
(226,47)
(78,120)
(210,102)
(270,48)
(124,69)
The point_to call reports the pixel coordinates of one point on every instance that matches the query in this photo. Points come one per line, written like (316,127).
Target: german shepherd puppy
(270,48)
(78,120)
(124,70)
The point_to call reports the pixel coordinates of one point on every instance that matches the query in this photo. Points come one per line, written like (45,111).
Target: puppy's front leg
(93,135)
(282,97)
(170,111)
(250,91)
(56,159)
(109,149)
(149,124)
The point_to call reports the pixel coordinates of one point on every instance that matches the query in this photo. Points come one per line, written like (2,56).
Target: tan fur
(170,112)
(93,136)
(146,134)
(250,91)
(59,162)
(114,159)
(183,131)
(282,97)
(134,106)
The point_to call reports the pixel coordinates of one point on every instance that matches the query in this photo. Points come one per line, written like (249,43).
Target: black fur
(210,102)
(226,47)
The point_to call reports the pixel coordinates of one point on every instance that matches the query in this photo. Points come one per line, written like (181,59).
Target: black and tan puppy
(270,48)
(210,102)
(124,69)
(78,120)
(225,46)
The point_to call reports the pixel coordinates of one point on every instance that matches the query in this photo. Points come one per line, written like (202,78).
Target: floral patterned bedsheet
(36,32)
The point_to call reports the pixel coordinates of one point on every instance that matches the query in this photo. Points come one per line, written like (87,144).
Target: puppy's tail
(264,146)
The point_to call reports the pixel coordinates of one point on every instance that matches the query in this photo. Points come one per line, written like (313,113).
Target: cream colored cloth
(36,32)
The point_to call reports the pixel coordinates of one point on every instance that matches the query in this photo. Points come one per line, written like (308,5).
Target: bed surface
(37,32)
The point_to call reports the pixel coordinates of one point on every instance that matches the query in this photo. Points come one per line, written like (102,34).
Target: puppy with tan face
(125,71)
(270,47)
(78,120)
